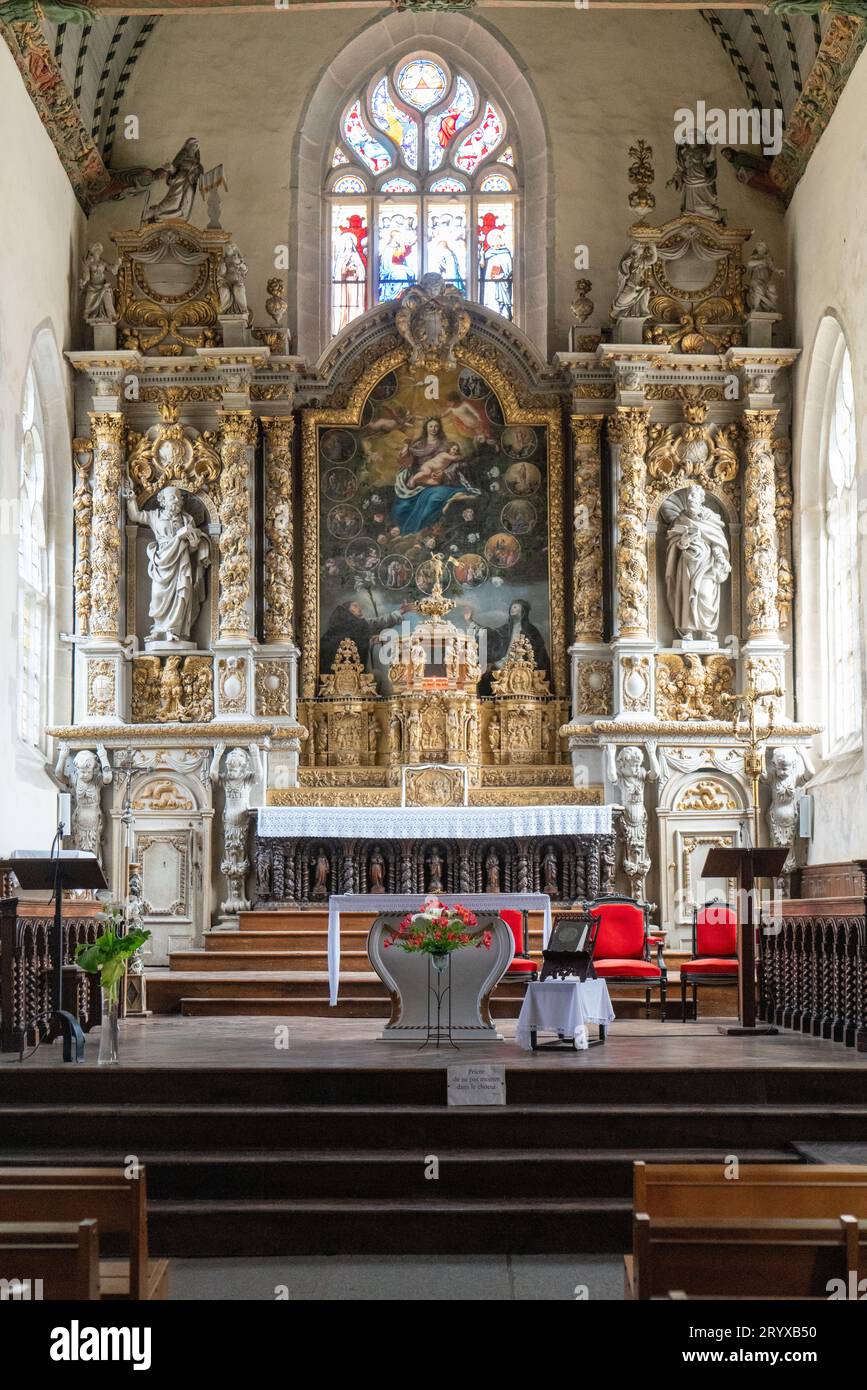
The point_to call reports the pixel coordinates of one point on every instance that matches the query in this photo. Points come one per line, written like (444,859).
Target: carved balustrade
(25,975)
(813,970)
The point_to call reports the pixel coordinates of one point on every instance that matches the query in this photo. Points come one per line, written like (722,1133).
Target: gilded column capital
(587,528)
(279,430)
(108,426)
(759,424)
(628,426)
(239,425)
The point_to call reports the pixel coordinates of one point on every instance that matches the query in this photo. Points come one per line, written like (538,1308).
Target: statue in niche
(549,871)
(178,557)
(321,869)
(494,734)
(696,563)
(417,659)
(231,279)
(263,873)
(243,767)
(372,737)
(87,773)
(435,870)
(760,272)
(453,721)
(394,736)
(414,728)
(492,872)
(99,304)
(377,872)
(694,178)
(182,177)
(632,299)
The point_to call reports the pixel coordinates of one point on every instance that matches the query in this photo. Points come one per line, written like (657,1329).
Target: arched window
(33,578)
(424,177)
(840,588)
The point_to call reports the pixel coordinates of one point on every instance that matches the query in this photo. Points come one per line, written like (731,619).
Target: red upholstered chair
(520,964)
(621,951)
(714,951)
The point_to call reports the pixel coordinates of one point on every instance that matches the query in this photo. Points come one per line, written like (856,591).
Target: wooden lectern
(59,870)
(746,866)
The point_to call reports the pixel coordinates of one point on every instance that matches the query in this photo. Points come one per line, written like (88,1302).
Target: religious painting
(424,473)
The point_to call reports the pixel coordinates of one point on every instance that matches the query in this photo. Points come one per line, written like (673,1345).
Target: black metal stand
(439,991)
(565,1044)
(66,1024)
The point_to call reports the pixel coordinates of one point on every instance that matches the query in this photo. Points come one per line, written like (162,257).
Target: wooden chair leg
(647,1003)
(662,1000)
(683,1013)
(695,1001)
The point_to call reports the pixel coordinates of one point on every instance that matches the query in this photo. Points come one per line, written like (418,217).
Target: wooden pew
(761,1190)
(117,1202)
(63,1255)
(742,1256)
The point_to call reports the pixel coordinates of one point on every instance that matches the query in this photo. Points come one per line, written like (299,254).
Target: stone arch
(465,41)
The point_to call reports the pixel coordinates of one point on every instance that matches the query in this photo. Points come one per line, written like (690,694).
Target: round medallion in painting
(471,570)
(339,483)
(472,386)
(362,555)
(385,388)
(502,551)
(344,522)
(518,517)
(395,572)
(523,479)
(519,442)
(494,411)
(337,446)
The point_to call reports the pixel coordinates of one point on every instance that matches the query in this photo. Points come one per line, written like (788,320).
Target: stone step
(261,960)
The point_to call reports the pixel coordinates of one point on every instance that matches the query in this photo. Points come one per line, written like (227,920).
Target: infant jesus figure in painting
(437,469)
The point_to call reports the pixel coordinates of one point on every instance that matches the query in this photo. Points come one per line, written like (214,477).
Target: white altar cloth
(564,1007)
(422,822)
(406,902)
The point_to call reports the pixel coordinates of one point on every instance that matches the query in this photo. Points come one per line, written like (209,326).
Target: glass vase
(108,1033)
(439,960)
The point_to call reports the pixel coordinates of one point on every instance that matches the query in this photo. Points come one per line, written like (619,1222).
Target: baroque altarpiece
(430,569)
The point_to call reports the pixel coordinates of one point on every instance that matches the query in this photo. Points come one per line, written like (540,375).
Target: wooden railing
(813,970)
(25,971)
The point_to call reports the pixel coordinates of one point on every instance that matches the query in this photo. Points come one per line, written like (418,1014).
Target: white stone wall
(41,230)
(828,259)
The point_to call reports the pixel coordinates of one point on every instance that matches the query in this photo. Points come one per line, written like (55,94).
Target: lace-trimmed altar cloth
(405,902)
(564,1007)
(446,822)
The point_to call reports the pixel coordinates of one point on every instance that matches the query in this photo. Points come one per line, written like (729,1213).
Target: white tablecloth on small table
(564,1007)
(411,902)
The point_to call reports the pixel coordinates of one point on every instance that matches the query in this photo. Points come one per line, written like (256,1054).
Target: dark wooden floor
(348,1044)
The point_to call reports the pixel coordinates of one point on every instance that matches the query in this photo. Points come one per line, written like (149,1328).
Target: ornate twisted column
(587,528)
(761,553)
(238,431)
(82,508)
(279,573)
(107,431)
(628,429)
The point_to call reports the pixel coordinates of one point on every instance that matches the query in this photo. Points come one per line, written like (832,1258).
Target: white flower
(473,536)
(454,549)
(493,472)
(497,579)
(495,487)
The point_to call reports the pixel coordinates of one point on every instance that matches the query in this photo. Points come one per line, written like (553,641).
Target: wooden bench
(117,1202)
(761,1190)
(741,1256)
(64,1256)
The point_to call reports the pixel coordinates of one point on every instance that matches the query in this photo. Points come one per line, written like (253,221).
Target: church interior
(433,453)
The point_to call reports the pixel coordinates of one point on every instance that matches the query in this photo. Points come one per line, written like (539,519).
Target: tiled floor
(372,1278)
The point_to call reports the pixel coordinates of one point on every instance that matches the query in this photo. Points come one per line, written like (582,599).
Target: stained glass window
(421,187)
(33,589)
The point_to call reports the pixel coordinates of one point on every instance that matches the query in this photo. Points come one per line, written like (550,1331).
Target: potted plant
(107,957)
(438,930)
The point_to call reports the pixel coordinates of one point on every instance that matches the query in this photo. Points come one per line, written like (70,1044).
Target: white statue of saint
(99,304)
(177,559)
(241,770)
(760,273)
(86,773)
(695,179)
(632,299)
(697,563)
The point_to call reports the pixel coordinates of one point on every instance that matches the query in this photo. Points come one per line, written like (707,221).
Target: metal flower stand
(438,967)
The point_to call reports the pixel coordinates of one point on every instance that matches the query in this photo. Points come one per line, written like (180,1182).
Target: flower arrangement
(438,930)
(108,954)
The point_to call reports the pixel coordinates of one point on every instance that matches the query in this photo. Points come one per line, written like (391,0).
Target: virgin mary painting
(430,480)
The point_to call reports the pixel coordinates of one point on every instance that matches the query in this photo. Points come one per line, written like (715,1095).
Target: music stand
(746,865)
(68,868)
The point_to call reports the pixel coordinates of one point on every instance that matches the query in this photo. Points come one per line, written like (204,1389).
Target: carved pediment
(432,318)
(519,675)
(347,676)
(172,455)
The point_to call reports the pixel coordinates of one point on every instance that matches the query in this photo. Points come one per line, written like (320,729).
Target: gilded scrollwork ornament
(279,558)
(237,437)
(107,430)
(691,686)
(628,428)
(587,528)
(761,552)
(172,455)
(172,689)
